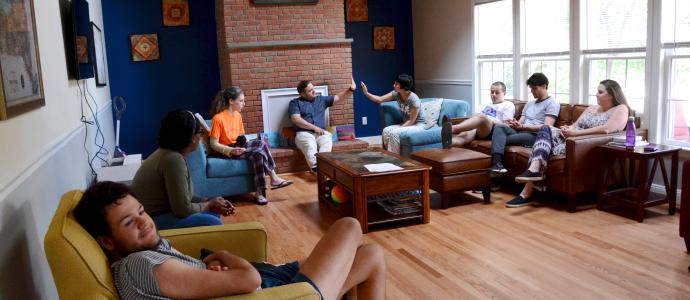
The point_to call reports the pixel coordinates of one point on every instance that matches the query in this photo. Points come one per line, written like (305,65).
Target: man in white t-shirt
(481,125)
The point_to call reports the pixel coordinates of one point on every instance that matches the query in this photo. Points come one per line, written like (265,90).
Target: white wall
(42,156)
(443,48)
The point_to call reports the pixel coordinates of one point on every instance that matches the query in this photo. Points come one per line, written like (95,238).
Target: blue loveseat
(214,176)
(430,138)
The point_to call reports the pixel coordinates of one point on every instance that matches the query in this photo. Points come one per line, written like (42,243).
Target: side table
(639,196)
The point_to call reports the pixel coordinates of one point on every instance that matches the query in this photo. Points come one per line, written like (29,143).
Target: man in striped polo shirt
(146,266)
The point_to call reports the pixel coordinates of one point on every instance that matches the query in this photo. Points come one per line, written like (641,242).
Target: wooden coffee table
(348,170)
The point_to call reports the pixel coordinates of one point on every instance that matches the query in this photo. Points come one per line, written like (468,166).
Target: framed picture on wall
(384,38)
(356,11)
(21,86)
(175,12)
(82,49)
(275,2)
(145,47)
(98,50)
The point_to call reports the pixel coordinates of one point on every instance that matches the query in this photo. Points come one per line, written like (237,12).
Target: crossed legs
(339,262)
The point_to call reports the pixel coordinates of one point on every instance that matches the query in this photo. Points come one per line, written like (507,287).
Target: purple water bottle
(630,133)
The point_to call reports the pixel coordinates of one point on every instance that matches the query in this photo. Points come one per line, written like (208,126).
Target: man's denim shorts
(272,275)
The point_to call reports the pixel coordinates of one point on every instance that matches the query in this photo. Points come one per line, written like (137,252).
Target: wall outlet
(364,120)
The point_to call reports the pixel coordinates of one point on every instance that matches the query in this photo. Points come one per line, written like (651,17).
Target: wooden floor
(478,251)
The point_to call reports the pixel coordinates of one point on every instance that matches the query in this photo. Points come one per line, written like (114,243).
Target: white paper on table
(383,167)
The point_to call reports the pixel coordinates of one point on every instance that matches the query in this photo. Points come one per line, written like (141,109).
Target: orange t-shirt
(226,126)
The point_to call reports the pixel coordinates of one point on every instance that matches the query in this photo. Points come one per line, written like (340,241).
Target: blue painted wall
(186,76)
(378,68)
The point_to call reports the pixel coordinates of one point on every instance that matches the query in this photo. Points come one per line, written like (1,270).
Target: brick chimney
(275,46)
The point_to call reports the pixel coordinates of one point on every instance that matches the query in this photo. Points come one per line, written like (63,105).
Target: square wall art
(384,38)
(175,12)
(145,47)
(356,11)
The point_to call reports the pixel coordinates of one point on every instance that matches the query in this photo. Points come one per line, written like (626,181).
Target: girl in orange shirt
(227,137)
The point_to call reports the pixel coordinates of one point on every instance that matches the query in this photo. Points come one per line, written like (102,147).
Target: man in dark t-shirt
(308,116)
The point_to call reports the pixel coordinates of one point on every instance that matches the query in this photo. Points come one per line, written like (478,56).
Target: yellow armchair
(81,269)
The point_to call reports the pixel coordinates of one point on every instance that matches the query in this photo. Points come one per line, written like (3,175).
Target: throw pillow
(288,133)
(346,132)
(334,133)
(431,109)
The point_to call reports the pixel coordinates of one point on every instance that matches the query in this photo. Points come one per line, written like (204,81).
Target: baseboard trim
(660,189)
(49,152)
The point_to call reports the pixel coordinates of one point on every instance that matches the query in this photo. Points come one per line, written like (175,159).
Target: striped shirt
(133,275)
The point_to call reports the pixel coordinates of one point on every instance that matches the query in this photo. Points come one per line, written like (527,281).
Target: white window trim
(587,60)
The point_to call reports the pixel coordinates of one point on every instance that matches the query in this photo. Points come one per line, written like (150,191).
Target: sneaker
(529,176)
(261,200)
(447,133)
(498,169)
(518,201)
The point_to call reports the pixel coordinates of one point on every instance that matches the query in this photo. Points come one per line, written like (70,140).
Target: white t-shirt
(499,112)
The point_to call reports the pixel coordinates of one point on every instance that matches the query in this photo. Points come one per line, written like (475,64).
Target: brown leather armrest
(579,151)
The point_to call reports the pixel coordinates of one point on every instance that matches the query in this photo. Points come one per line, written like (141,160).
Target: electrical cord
(99,133)
(99,137)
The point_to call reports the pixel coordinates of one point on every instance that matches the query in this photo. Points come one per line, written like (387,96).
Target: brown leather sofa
(685,205)
(569,174)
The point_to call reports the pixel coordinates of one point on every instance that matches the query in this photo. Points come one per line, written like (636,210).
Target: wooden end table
(347,169)
(639,197)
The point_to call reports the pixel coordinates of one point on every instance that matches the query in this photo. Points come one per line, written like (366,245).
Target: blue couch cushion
(222,167)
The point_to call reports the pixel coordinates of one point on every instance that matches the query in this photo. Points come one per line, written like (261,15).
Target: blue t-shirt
(313,112)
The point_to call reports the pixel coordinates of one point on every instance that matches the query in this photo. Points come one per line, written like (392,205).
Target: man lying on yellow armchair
(145,266)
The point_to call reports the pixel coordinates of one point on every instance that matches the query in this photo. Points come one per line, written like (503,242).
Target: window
(615,43)
(628,72)
(546,26)
(679,101)
(615,24)
(494,47)
(494,28)
(675,36)
(558,73)
(492,71)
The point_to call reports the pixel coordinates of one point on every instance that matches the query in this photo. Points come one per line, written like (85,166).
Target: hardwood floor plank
(478,251)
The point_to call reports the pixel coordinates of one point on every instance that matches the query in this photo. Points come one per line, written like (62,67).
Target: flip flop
(282,184)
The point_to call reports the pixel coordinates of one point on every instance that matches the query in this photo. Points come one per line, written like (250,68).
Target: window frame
(667,127)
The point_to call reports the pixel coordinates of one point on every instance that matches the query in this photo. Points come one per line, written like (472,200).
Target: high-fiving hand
(364,88)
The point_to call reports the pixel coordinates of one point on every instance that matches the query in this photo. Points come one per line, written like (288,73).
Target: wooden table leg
(642,191)
(426,215)
(360,204)
(674,184)
(320,186)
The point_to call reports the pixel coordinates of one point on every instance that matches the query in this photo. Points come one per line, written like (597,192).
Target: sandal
(282,184)
(261,200)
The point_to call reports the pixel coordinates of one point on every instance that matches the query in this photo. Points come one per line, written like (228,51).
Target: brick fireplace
(265,47)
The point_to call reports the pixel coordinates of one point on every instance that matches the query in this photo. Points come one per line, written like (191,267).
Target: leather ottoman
(455,170)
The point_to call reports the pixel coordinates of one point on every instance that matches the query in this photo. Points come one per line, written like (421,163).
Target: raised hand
(353,85)
(364,88)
